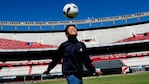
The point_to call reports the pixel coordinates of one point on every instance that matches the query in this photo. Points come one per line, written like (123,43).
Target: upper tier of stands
(144,36)
(59,25)
(15,44)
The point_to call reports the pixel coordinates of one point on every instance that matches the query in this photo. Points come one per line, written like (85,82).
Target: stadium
(116,46)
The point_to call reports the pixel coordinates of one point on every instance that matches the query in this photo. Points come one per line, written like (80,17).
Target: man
(74,55)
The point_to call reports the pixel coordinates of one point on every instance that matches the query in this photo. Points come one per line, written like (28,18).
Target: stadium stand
(113,49)
(14,44)
(138,37)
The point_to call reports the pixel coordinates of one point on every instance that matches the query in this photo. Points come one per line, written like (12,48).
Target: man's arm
(86,60)
(88,63)
(55,60)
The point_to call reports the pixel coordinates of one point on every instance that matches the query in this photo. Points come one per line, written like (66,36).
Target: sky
(51,10)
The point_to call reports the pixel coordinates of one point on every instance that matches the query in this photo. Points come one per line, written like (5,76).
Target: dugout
(109,66)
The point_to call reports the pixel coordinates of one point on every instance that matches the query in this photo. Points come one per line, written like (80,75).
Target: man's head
(71,30)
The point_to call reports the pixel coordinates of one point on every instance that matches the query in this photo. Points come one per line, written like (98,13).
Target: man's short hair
(66,28)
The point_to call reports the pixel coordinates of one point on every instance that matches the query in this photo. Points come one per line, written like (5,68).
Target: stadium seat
(15,44)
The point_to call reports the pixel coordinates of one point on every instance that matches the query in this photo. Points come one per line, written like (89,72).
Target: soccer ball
(70,10)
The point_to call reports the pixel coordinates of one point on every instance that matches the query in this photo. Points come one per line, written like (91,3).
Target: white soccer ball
(70,10)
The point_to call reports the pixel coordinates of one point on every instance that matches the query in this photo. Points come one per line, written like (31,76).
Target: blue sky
(51,10)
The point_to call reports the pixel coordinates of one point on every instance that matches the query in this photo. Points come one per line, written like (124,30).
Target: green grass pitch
(134,78)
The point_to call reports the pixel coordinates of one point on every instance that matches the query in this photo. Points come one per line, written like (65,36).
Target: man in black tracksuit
(74,55)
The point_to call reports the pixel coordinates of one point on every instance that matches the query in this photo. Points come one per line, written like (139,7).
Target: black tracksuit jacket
(74,55)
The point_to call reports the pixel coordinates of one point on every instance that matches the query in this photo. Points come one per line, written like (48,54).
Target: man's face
(72,31)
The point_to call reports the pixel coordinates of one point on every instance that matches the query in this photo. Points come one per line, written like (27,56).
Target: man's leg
(72,79)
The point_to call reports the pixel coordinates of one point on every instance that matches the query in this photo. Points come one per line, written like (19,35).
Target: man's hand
(98,72)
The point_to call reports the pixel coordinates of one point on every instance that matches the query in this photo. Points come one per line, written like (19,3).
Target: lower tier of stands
(109,64)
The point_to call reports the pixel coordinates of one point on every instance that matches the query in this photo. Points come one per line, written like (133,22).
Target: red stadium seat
(14,44)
